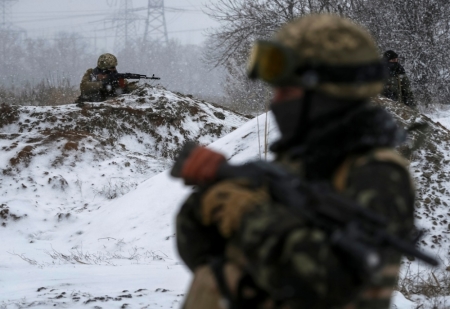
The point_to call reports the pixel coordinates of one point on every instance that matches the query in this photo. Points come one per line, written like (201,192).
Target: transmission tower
(5,14)
(155,25)
(125,23)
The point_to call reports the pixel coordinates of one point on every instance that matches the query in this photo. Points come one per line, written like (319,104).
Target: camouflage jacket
(92,89)
(293,261)
(398,86)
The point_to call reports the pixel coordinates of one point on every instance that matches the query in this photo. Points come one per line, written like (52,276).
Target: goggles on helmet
(272,63)
(277,65)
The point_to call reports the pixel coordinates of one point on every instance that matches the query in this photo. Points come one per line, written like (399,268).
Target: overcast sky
(44,18)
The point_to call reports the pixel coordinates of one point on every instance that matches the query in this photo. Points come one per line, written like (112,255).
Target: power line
(58,12)
(125,20)
(113,36)
(5,14)
(46,19)
(6,23)
(95,12)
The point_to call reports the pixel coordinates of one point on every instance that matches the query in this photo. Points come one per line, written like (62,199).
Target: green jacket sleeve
(89,87)
(294,261)
(407,94)
(197,244)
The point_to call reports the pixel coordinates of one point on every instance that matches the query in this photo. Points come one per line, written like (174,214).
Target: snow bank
(106,250)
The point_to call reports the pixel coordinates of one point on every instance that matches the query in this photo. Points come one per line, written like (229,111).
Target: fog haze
(54,42)
(44,18)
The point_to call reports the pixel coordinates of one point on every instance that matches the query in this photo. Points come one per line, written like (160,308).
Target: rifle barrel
(134,76)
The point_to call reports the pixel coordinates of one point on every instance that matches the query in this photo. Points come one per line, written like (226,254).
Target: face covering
(395,67)
(288,115)
(296,118)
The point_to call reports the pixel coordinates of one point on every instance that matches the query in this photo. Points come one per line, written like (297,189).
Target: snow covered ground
(442,116)
(115,253)
(90,258)
(56,162)
(68,241)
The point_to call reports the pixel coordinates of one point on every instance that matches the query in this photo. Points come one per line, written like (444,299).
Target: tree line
(418,30)
(34,68)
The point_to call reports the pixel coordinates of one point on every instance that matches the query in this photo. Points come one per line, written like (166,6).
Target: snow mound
(428,152)
(120,247)
(430,168)
(73,158)
(95,254)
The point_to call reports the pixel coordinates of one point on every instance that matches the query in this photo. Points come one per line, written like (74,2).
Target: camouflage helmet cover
(330,40)
(106,61)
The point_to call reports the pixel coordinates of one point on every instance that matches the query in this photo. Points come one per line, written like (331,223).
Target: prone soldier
(97,86)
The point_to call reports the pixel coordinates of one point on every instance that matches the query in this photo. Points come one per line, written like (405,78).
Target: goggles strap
(346,74)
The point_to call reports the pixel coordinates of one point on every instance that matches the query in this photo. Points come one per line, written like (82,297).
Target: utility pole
(5,14)
(155,25)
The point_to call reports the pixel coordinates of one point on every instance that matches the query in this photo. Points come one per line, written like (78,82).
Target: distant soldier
(397,87)
(97,85)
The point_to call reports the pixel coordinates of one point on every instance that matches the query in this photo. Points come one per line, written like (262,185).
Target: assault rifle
(118,76)
(356,233)
(116,81)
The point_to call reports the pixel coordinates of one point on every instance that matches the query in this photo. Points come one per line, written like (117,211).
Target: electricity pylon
(5,14)
(155,25)
(125,23)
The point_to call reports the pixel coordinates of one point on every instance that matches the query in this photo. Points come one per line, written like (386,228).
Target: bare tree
(242,22)
(417,30)
(420,32)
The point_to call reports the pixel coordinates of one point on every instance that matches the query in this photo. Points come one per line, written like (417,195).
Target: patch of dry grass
(433,284)
(45,93)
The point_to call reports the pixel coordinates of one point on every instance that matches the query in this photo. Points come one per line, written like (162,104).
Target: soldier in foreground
(97,84)
(240,236)
(397,87)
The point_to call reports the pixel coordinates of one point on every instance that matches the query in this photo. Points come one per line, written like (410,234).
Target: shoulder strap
(341,174)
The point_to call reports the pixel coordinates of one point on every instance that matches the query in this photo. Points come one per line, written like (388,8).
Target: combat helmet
(107,61)
(325,53)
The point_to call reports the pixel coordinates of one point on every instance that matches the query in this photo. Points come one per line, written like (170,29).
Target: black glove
(110,84)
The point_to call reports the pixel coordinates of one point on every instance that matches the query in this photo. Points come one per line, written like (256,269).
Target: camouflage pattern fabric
(225,204)
(295,262)
(350,148)
(92,90)
(89,86)
(331,40)
(107,61)
(398,88)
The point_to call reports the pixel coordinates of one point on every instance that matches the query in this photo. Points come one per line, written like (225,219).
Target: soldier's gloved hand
(225,203)
(201,166)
